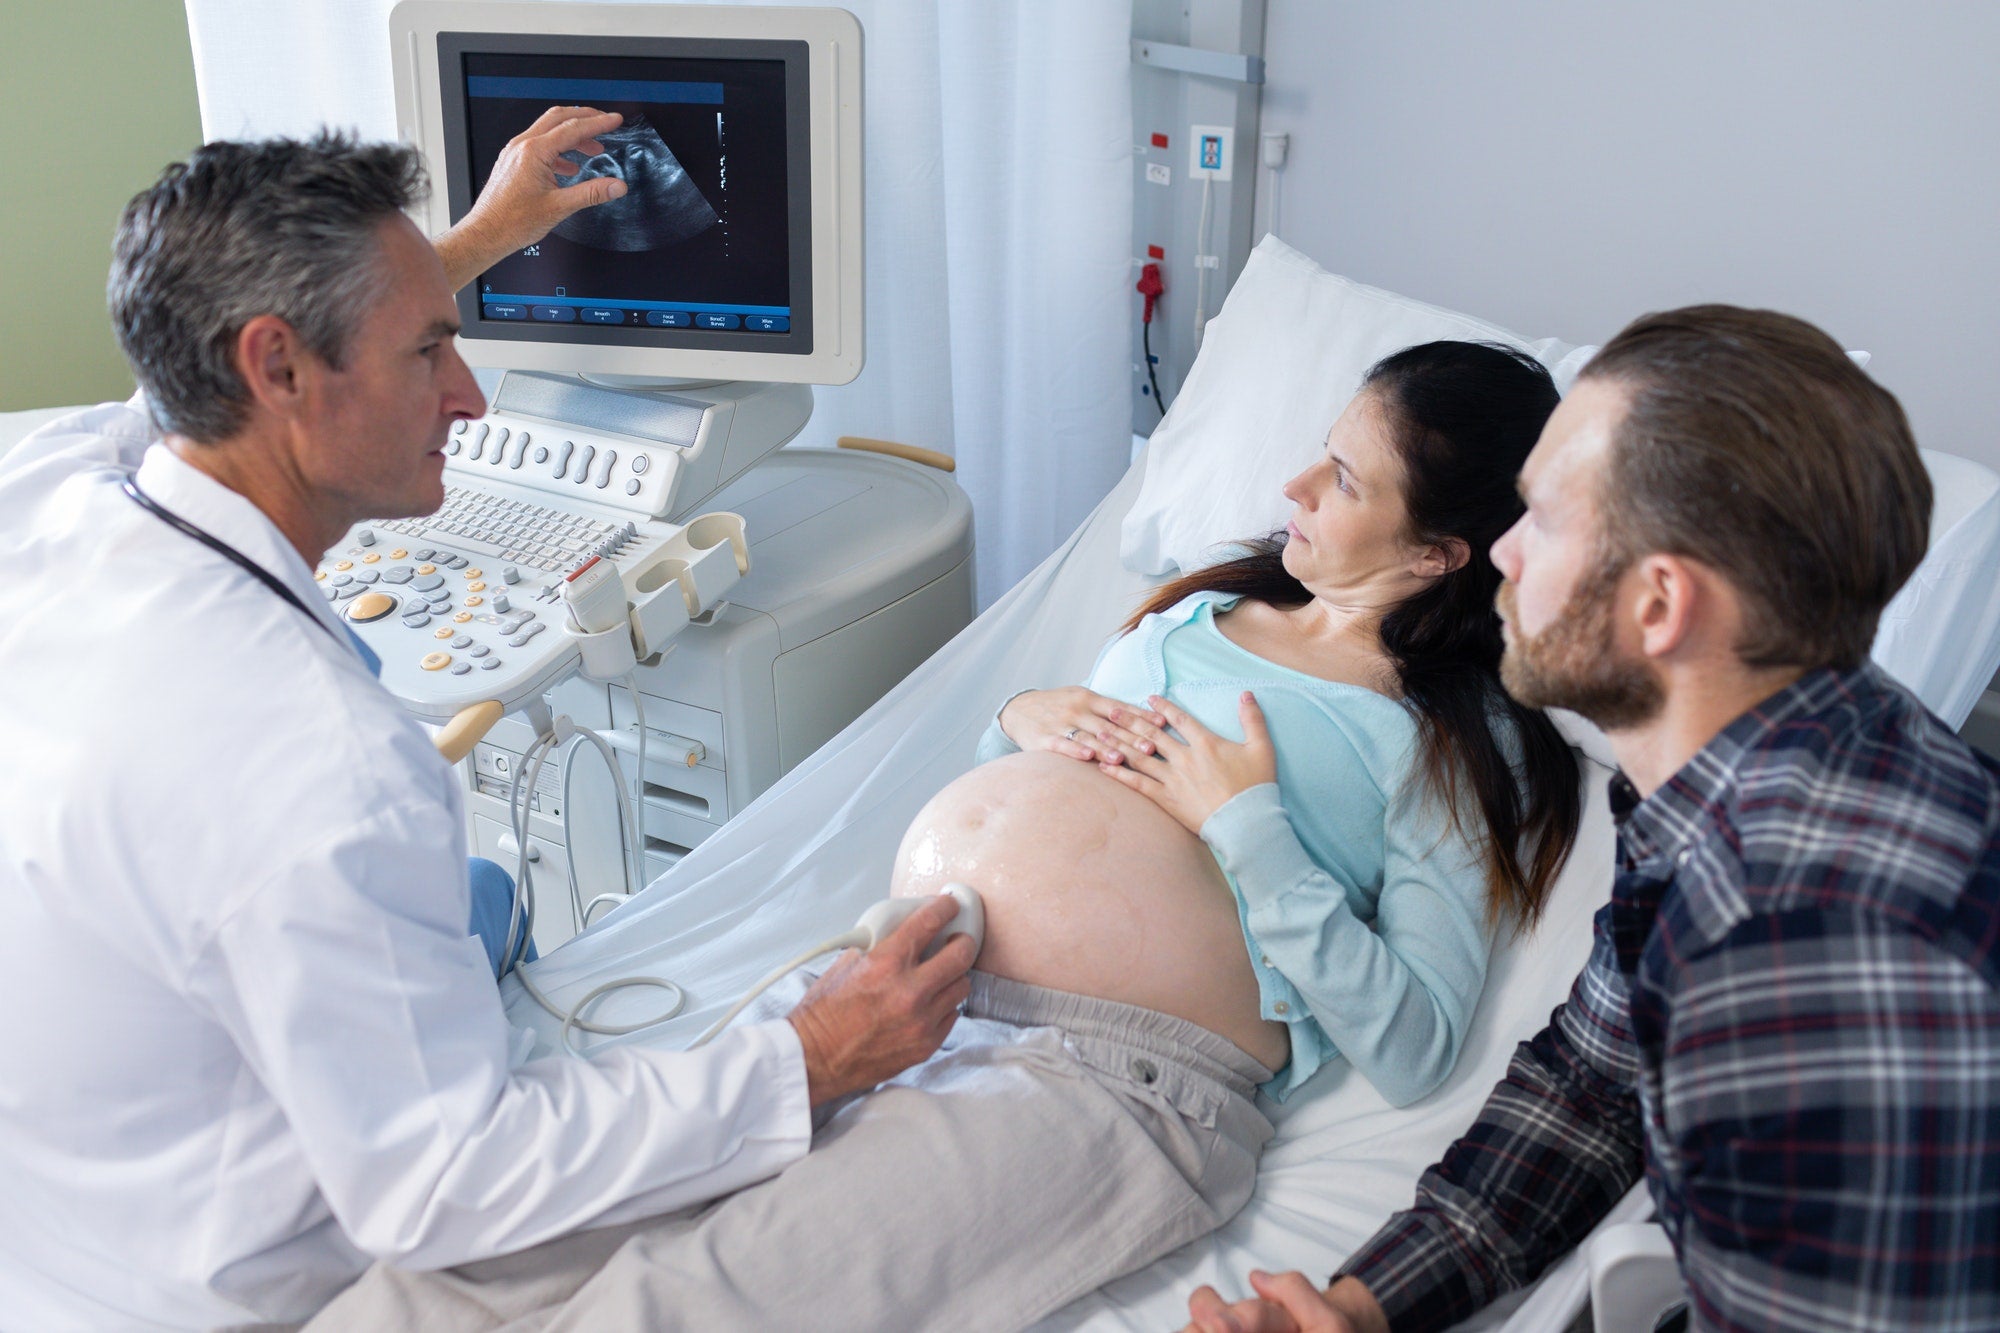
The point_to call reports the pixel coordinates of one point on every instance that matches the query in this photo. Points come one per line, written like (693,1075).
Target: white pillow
(1278,364)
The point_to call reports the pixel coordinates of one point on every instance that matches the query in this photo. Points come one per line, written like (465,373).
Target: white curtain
(999,206)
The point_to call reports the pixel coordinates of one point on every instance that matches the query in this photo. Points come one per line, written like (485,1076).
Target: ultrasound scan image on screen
(662,205)
(701,239)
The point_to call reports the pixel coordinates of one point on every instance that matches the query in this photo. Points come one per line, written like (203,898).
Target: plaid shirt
(1789,1022)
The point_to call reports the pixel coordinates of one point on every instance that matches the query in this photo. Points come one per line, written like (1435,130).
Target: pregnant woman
(1274,834)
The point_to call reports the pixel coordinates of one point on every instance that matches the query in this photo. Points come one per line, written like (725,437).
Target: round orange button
(435,661)
(398,553)
(343,564)
(475,587)
(473,573)
(475,601)
(444,634)
(370,606)
(462,617)
(371,557)
(319,576)
(427,569)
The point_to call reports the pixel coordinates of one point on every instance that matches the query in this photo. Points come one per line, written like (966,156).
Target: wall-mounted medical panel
(1197,77)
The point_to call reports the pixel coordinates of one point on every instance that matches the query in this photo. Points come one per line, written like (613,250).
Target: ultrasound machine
(627,559)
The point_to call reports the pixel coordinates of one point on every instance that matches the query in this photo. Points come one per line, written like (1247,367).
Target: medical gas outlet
(1211,152)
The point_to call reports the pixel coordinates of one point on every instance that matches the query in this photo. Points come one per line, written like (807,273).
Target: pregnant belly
(1091,888)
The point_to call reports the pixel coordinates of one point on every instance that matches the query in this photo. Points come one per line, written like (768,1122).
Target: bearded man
(1789,1021)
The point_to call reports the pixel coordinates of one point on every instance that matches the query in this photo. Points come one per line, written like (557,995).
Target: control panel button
(319,576)
(474,573)
(511,574)
(583,463)
(426,568)
(604,468)
(541,453)
(417,619)
(460,668)
(435,661)
(366,575)
(397,574)
(461,641)
(462,617)
(425,581)
(500,602)
(452,447)
(668,319)
(563,451)
(343,564)
(715,319)
(398,554)
(459,427)
(476,600)
(444,632)
(480,650)
(366,536)
(424,553)
(488,663)
(370,606)
(640,462)
(341,580)
(632,486)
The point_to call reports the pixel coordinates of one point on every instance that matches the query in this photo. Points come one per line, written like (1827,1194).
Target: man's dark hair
(279,227)
(1753,444)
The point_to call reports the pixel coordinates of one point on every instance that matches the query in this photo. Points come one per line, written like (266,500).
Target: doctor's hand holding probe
(271,1048)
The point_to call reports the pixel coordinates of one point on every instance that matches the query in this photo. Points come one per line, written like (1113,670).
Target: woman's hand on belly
(1077,723)
(1092,889)
(1194,775)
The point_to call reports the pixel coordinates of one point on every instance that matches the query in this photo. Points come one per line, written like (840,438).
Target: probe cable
(522,912)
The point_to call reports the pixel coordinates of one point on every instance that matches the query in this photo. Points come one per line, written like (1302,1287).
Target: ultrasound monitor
(735,253)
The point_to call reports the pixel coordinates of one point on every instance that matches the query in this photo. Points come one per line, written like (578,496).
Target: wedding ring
(1070,735)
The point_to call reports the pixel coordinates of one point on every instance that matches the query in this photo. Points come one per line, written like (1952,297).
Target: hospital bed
(808,856)
(816,849)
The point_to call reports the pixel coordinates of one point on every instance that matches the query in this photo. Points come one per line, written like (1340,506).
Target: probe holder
(684,579)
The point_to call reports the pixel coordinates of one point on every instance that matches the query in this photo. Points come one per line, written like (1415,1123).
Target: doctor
(250,1044)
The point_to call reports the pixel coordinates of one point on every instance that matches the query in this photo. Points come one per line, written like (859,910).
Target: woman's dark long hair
(1464,416)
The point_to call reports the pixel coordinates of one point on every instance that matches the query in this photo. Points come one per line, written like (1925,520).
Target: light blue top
(1362,908)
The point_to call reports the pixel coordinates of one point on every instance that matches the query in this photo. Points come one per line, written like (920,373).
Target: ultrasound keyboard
(463,605)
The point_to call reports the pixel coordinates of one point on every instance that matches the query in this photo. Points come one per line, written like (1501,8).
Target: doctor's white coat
(246,1043)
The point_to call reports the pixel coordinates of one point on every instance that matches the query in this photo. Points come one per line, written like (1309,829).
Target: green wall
(98,95)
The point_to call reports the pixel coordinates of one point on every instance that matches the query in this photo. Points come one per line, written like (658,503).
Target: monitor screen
(710,245)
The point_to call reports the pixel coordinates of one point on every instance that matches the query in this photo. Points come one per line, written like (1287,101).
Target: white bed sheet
(805,859)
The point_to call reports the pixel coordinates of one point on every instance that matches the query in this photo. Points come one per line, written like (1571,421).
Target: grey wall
(1559,166)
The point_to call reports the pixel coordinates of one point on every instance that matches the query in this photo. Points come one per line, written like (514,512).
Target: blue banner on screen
(594,92)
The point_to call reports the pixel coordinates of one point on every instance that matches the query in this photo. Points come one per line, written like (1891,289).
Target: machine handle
(913,453)
(457,737)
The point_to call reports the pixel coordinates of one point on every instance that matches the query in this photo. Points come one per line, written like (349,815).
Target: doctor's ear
(1441,558)
(271,358)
